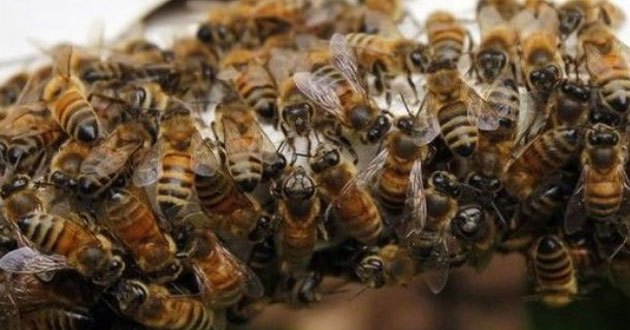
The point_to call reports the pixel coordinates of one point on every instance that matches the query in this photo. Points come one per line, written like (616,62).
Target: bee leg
(213,126)
(414,88)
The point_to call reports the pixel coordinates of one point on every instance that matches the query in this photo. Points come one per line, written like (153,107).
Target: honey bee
(298,208)
(141,301)
(553,271)
(65,96)
(573,14)
(447,37)
(153,250)
(569,104)
(539,159)
(546,200)
(196,68)
(606,60)
(476,229)
(11,89)
(219,196)
(222,277)
(390,265)
(335,85)
(19,198)
(263,261)
(393,9)
(250,24)
(53,318)
(253,82)
(541,60)
(603,185)
(353,206)
(65,165)
(247,147)
(497,50)
(63,244)
(387,58)
(453,108)
(429,246)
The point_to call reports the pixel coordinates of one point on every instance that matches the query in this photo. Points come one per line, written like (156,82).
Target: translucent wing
(486,117)
(108,157)
(427,130)
(529,119)
(416,201)
(575,215)
(204,161)
(503,109)
(344,60)
(257,75)
(239,136)
(318,92)
(148,171)
(27,260)
(368,176)
(436,269)
(489,18)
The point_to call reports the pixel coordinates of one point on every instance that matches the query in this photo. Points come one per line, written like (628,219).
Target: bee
(497,50)
(569,104)
(335,85)
(250,24)
(65,243)
(573,14)
(253,82)
(553,271)
(429,246)
(603,185)
(20,197)
(133,223)
(475,228)
(141,301)
(302,289)
(506,8)
(263,261)
(53,318)
(222,277)
(11,89)
(32,136)
(393,9)
(247,147)
(453,108)
(447,37)
(387,58)
(389,265)
(143,52)
(351,204)
(606,60)
(65,96)
(196,68)
(172,162)
(65,165)
(546,200)
(220,196)
(299,208)
(539,159)
(541,60)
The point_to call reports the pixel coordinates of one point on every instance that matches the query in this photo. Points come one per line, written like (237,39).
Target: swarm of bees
(140,188)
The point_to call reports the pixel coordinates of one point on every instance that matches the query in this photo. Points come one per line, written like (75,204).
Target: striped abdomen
(359,215)
(542,206)
(394,182)
(135,225)
(365,47)
(224,278)
(174,187)
(299,234)
(26,151)
(53,318)
(603,194)
(174,313)
(553,270)
(76,117)
(246,165)
(458,131)
(259,92)
(446,39)
(505,99)
(330,76)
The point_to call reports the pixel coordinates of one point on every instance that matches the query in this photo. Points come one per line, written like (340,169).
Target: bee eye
(418,59)
(332,158)
(205,33)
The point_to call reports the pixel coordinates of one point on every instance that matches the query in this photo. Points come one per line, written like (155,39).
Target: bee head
(273,168)
(298,185)
(575,90)
(418,59)
(378,129)
(299,116)
(325,157)
(491,63)
(545,79)
(602,135)
(470,223)
(484,183)
(131,295)
(570,20)
(371,271)
(446,183)
(18,183)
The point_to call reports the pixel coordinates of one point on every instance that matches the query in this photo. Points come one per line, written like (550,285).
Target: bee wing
(204,161)
(416,202)
(436,269)
(428,128)
(318,92)
(257,75)
(148,171)
(107,158)
(531,122)
(489,18)
(368,177)
(575,215)
(234,133)
(344,59)
(486,117)
(27,260)
(283,63)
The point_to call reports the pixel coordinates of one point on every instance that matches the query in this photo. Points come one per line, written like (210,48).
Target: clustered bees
(123,207)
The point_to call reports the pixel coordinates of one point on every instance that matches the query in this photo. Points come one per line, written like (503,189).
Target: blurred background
(495,299)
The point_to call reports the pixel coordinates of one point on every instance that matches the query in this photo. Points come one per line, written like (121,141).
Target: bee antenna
(303,155)
(402,97)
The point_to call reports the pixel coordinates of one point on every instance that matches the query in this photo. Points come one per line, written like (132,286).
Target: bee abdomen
(616,93)
(552,263)
(47,232)
(175,184)
(459,133)
(186,315)
(212,190)
(76,116)
(604,200)
(246,169)
(55,319)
